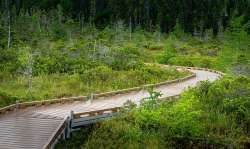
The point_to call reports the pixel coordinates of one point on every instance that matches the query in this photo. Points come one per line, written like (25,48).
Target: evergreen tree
(195,16)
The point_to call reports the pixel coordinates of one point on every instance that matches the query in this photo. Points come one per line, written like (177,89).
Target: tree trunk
(92,12)
(9,27)
(30,71)
(9,34)
(130,29)
(82,23)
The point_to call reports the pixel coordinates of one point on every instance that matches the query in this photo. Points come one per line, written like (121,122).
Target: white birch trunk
(130,29)
(9,34)
(9,26)
(30,71)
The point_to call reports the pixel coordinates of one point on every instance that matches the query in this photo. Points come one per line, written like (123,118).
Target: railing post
(64,134)
(17,104)
(69,124)
(67,129)
(91,97)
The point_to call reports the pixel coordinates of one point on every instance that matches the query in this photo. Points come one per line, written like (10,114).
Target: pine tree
(92,12)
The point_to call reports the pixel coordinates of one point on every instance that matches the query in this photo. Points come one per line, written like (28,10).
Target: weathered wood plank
(29,128)
(26,132)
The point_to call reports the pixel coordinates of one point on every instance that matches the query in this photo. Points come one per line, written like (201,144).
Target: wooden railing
(78,120)
(18,106)
(96,112)
(83,118)
(24,105)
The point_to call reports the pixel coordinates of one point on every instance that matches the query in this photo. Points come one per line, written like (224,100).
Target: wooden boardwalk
(33,127)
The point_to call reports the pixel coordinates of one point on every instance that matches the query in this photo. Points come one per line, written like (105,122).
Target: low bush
(211,115)
(155,47)
(99,78)
(6,99)
(9,61)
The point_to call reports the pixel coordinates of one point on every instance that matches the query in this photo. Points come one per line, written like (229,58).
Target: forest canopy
(53,49)
(195,16)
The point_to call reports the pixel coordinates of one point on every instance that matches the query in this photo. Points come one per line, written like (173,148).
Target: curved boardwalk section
(33,127)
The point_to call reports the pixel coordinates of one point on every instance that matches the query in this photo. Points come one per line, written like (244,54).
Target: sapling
(9,31)
(94,50)
(220,29)
(158,34)
(81,22)
(130,29)
(29,70)
(151,102)
(9,23)
(92,12)
(119,31)
(70,26)
(150,26)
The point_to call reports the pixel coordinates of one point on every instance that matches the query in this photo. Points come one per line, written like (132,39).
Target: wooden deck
(33,127)
(26,132)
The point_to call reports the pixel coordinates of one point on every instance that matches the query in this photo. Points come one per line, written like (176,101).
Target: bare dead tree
(130,29)
(81,21)
(92,12)
(30,71)
(9,21)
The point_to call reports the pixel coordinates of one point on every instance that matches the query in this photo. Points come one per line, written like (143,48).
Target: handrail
(66,122)
(82,98)
(96,112)
(7,109)
(24,105)
(112,110)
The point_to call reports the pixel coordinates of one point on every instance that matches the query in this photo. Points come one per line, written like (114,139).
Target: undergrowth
(211,115)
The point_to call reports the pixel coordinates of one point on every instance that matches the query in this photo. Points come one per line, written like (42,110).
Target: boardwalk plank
(31,128)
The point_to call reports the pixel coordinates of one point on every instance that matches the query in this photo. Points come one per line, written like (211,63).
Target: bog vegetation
(61,48)
(212,115)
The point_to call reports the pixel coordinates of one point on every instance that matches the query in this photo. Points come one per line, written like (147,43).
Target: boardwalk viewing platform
(38,126)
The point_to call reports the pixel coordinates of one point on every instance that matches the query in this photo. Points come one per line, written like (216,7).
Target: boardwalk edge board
(16,107)
(61,131)
(84,118)
(75,120)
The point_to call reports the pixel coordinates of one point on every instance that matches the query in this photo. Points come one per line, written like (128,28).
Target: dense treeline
(195,16)
(60,48)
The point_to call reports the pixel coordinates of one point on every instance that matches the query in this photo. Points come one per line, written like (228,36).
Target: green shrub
(212,115)
(242,58)
(181,61)
(165,57)
(125,58)
(100,73)
(155,47)
(9,61)
(6,99)
(121,135)
(229,96)
(58,31)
